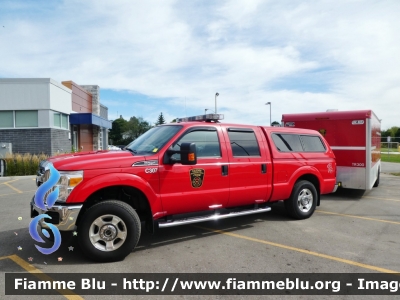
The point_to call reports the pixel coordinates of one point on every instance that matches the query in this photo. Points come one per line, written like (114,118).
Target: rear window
(287,142)
(312,143)
(297,143)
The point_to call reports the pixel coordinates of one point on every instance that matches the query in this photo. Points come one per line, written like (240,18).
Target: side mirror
(187,152)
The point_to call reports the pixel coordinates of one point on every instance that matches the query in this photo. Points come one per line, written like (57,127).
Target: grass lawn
(389,150)
(390,157)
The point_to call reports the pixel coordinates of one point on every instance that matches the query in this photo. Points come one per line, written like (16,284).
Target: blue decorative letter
(39,201)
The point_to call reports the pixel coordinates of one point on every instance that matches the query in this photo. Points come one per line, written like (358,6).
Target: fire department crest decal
(197,177)
(322,131)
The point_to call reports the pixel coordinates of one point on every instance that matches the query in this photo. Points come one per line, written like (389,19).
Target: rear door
(200,187)
(249,166)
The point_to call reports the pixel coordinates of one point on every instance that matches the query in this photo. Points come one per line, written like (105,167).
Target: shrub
(19,165)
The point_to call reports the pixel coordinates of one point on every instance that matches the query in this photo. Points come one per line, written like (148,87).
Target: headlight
(68,180)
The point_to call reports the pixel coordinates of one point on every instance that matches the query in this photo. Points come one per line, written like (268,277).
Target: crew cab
(195,170)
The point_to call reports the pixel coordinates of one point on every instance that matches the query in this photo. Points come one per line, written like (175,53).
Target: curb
(16,177)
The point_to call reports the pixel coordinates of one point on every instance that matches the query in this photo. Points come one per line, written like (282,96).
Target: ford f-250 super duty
(195,170)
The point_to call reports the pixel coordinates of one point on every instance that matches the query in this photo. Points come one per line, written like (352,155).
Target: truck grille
(42,167)
(46,176)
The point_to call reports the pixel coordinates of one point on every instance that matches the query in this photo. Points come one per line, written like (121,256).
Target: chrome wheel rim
(305,200)
(108,233)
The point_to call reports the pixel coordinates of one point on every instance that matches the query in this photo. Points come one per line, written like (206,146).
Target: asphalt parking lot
(349,233)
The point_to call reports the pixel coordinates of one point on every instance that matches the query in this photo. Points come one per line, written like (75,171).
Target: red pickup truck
(195,170)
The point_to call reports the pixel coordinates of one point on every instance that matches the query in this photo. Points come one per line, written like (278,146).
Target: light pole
(216,95)
(206,110)
(269,103)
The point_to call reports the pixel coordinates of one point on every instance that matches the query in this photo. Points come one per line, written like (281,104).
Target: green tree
(275,123)
(397,134)
(160,119)
(385,133)
(119,126)
(136,127)
(393,131)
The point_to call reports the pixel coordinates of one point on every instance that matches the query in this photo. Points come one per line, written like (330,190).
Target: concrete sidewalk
(388,167)
(16,177)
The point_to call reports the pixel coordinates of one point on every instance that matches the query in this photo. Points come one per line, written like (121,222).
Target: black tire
(302,201)
(376,184)
(113,224)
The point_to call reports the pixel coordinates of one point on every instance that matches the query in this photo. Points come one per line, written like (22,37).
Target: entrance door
(75,138)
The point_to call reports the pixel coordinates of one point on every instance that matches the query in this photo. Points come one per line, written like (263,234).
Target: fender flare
(307,170)
(83,190)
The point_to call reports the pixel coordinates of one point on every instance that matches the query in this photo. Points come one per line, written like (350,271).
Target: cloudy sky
(172,56)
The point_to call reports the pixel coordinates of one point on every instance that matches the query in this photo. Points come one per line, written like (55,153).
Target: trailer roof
(330,115)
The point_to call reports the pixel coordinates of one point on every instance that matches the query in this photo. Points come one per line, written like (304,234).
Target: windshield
(153,140)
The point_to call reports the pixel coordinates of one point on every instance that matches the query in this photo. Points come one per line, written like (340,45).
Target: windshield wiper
(131,150)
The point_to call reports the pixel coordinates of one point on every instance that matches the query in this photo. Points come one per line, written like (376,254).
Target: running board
(214,217)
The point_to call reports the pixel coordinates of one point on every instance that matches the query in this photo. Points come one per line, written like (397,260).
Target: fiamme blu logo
(40,198)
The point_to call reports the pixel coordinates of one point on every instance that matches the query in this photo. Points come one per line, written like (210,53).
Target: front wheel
(302,201)
(109,231)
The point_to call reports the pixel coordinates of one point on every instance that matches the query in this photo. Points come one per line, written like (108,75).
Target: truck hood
(94,160)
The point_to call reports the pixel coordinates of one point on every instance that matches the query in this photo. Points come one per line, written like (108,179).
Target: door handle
(263,168)
(224,170)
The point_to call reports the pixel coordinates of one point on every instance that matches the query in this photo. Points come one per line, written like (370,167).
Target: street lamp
(205,111)
(269,103)
(216,95)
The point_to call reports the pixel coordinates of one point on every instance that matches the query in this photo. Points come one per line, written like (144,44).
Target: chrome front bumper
(38,180)
(62,216)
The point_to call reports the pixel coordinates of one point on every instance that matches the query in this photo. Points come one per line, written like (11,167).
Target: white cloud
(191,49)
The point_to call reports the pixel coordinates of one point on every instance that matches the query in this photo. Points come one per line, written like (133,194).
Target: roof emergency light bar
(207,117)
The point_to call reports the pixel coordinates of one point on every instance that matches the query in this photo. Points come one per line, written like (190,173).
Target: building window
(6,119)
(26,118)
(64,121)
(60,120)
(57,119)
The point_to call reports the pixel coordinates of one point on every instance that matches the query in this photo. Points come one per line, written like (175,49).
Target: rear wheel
(109,231)
(302,201)
(376,184)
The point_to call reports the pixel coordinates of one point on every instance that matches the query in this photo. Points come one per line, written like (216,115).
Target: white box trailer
(355,138)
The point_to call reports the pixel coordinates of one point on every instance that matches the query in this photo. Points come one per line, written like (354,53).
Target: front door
(200,187)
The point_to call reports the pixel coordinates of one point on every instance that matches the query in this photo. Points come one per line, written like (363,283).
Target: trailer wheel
(302,201)
(109,231)
(376,184)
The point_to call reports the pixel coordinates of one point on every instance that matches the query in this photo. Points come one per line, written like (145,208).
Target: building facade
(40,115)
